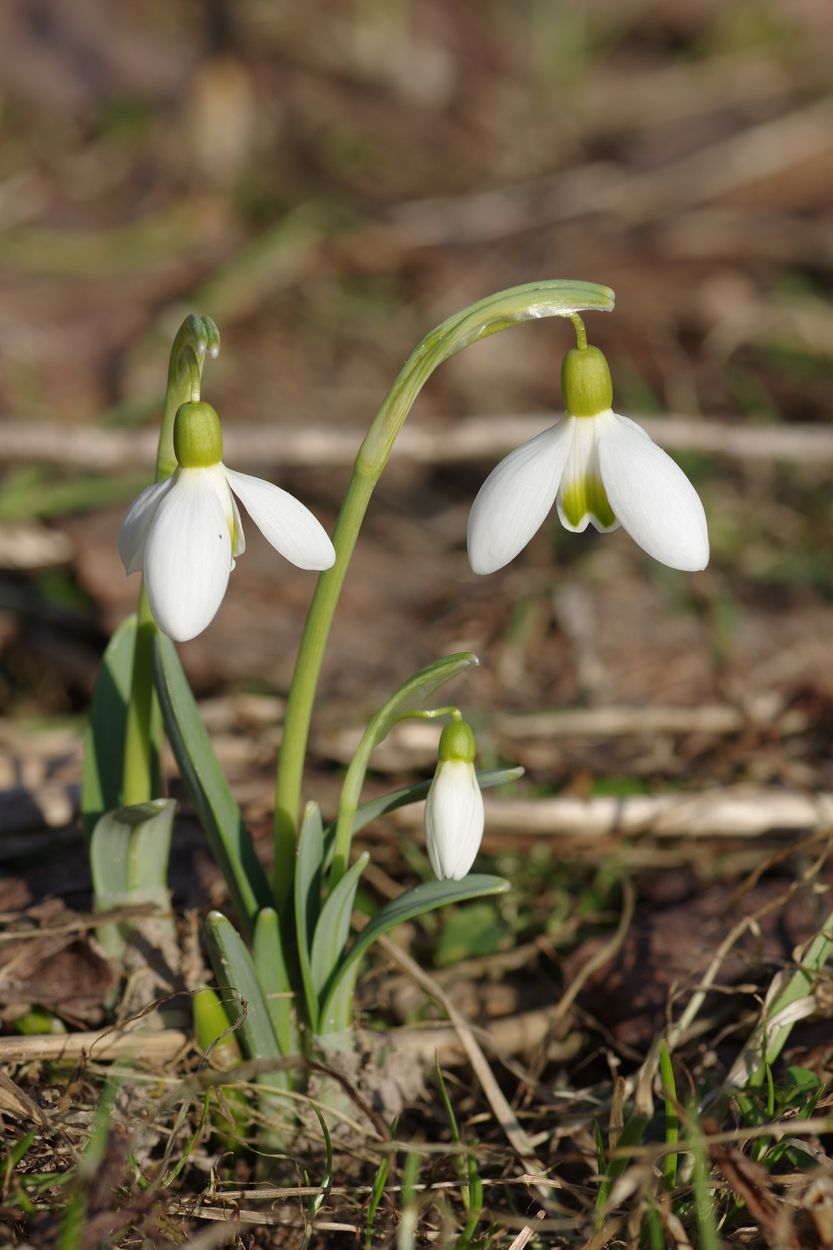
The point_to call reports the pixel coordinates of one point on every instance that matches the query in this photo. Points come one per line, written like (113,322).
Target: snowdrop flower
(597,467)
(185,532)
(454,806)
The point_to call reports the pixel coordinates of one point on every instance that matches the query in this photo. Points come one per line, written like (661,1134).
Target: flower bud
(454,807)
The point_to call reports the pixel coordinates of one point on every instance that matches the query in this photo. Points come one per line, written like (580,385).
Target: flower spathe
(454,816)
(185,533)
(597,467)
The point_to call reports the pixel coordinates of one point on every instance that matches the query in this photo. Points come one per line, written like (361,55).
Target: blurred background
(330,180)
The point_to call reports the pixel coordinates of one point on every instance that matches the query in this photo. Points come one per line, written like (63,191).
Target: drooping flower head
(597,467)
(454,807)
(185,532)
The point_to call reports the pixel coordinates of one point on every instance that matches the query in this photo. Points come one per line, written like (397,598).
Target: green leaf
(129,852)
(423,898)
(273,975)
(486,779)
(228,837)
(234,970)
(104,740)
(333,928)
(308,870)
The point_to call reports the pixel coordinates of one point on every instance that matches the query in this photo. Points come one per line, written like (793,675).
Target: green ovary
(585,496)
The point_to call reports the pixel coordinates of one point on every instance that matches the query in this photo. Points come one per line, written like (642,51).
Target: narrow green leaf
(308,872)
(423,898)
(230,842)
(104,738)
(273,975)
(234,970)
(486,779)
(672,1124)
(333,929)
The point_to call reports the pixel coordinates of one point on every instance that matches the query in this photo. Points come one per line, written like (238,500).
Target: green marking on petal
(586,496)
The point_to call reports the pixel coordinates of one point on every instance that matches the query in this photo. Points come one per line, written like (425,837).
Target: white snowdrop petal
(284,521)
(134,527)
(513,502)
(188,556)
(652,497)
(453,820)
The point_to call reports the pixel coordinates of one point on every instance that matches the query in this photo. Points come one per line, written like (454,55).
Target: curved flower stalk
(454,815)
(185,532)
(598,468)
(489,316)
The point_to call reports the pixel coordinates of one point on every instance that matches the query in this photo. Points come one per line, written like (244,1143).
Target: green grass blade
(672,1123)
(703,1197)
(230,842)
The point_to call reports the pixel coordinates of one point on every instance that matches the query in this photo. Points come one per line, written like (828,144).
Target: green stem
(581,332)
(141,778)
(488,316)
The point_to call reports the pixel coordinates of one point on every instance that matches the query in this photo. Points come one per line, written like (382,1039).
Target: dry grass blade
(154,1046)
(515,1134)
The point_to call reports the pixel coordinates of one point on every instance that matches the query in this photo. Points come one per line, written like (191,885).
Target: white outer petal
(284,521)
(134,528)
(513,502)
(188,555)
(651,495)
(453,819)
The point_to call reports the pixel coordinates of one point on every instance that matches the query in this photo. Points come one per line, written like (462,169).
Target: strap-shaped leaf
(228,837)
(308,870)
(333,928)
(273,976)
(234,970)
(129,852)
(487,779)
(104,739)
(423,898)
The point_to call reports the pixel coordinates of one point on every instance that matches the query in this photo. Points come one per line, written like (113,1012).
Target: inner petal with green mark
(584,500)
(582,497)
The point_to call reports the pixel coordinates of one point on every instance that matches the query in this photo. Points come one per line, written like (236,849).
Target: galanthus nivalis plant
(454,807)
(291,956)
(185,533)
(598,468)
